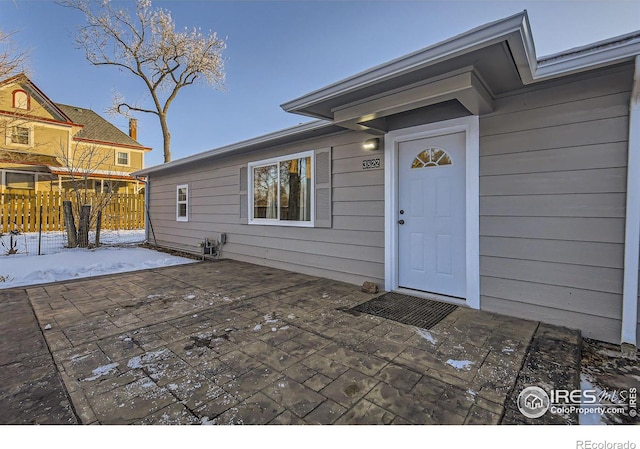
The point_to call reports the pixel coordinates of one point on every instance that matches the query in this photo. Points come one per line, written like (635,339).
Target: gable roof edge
(516,25)
(597,54)
(50,103)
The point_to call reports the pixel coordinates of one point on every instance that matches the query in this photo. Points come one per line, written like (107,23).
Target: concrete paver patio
(233,343)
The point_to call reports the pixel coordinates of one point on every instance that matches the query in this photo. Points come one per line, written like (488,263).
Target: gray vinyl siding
(552,202)
(352,250)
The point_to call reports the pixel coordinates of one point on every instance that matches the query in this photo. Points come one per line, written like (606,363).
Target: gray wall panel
(352,249)
(553,187)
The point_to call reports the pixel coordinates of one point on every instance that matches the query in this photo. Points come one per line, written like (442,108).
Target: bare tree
(149,47)
(12,60)
(80,164)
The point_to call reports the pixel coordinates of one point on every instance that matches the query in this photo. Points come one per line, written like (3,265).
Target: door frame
(470,126)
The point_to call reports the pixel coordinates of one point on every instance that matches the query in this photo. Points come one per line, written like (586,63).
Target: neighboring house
(43,145)
(470,171)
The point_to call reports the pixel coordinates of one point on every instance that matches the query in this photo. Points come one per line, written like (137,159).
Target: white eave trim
(514,30)
(477,38)
(79,172)
(599,54)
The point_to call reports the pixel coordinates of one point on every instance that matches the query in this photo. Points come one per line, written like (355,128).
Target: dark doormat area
(419,312)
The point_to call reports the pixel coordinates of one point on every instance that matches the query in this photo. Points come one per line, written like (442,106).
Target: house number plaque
(368,164)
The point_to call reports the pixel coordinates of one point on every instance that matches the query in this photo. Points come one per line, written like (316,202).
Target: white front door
(431,215)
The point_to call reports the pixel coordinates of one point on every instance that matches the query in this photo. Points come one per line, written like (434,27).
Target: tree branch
(148,46)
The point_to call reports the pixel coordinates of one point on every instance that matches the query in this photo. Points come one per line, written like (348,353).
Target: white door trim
(470,126)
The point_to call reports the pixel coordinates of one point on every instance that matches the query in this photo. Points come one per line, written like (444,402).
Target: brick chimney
(133,128)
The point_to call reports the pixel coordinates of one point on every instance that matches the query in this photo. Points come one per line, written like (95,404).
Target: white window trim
(9,136)
(128,153)
(470,126)
(178,217)
(275,221)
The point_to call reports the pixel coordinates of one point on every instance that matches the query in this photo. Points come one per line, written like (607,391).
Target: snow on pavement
(79,263)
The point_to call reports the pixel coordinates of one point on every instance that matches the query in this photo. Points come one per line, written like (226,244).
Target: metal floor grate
(419,312)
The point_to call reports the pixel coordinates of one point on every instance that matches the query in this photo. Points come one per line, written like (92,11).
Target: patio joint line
(53,360)
(515,383)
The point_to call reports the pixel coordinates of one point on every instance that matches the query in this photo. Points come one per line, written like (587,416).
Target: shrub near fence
(21,209)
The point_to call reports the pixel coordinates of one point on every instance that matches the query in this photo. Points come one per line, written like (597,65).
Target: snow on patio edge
(80,263)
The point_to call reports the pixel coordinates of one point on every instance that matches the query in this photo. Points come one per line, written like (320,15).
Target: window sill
(296,224)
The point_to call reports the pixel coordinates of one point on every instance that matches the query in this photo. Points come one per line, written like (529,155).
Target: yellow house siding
(36,108)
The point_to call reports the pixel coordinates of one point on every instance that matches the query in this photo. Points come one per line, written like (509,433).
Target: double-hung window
(122,158)
(20,135)
(281,190)
(182,203)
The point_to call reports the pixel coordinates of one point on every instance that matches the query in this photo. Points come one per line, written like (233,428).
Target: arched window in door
(431,157)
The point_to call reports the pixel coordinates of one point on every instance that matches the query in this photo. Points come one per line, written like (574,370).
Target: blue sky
(279,50)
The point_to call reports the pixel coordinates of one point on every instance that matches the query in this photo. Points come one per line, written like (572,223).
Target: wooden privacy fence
(21,210)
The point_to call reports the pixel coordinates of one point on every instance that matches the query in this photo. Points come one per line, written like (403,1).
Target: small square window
(182,203)
(122,158)
(20,135)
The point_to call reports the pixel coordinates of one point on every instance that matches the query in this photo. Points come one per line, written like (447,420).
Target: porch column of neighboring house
(632,220)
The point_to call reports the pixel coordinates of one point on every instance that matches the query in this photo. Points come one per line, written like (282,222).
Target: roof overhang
(466,72)
(78,173)
(112,144)
(464,85)
(495,58)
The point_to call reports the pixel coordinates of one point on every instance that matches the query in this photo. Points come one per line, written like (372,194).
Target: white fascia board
(264,140)
(79,171)
(599,54)
(632,220)
(477,38)
(514,30)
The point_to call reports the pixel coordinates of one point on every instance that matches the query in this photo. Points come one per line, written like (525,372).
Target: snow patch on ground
(52,242)
(426,335)
(102,370)
(269,319)
(79,263)
(589,419)
(135,362)
(460,364)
